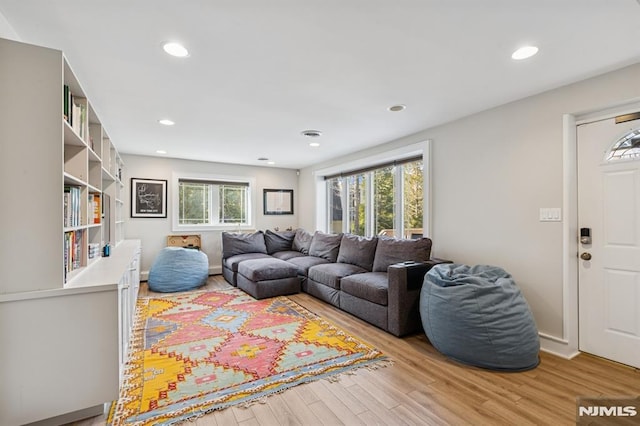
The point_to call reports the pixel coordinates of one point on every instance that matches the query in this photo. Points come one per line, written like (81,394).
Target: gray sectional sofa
(377,279)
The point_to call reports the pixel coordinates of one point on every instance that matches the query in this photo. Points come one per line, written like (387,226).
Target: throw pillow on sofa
(357,250)
(234,244)
(391,250)
(278,241)
(325,246)
(301,241)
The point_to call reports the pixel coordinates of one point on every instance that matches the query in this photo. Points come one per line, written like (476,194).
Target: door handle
(585,256)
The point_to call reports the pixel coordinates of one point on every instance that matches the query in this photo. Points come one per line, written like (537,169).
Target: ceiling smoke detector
(311,133)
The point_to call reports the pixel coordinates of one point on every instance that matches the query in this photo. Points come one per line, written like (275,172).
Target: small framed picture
(148,197)
(278,201)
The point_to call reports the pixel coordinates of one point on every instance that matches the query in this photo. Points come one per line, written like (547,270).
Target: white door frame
(567,346)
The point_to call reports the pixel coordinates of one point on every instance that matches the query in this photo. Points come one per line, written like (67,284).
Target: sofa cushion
(278,241)
(371,286)
(233,261)
(357,250)
(325,246)
(286,255)
(266,269)
(301,241)
(303,263)
(240,243)
(330,274)
(391,250)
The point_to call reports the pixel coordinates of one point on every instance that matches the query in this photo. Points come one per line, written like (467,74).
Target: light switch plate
(550,214)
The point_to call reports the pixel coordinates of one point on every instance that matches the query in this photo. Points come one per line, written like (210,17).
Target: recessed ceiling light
(175,49)
(396,108)
(314,144)
(271,162)
(161,151)
(166,122)
(524,52)
(311,133)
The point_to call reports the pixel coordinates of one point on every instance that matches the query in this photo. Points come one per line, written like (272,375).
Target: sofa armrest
(405,283)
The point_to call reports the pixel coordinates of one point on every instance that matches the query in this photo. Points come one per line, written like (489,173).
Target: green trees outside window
(382,201)
(413,198)
(193,203)
(212,203)
(334,189)
(357,191)
(234,204)
(383,197)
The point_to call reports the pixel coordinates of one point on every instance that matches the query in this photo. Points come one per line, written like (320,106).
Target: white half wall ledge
(557,346)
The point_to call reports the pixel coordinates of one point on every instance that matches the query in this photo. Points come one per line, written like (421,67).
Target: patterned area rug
(201,351)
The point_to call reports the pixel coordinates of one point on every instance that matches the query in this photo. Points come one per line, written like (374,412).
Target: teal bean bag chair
(478,316)
(178,269)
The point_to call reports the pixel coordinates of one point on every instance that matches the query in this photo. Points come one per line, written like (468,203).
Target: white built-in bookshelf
(62,197)
(93,182)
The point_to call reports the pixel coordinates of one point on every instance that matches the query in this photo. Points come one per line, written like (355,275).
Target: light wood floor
(423,387)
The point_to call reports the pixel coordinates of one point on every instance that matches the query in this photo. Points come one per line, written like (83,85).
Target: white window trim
(421,148)
(177,176)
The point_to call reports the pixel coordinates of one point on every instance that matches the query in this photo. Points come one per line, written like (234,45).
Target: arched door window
(626,148)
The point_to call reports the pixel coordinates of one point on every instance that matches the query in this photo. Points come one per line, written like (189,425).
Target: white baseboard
(72,417)
(557,346)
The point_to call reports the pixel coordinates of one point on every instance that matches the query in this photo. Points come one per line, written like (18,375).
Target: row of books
(72,251)
(72,206)
(76,112)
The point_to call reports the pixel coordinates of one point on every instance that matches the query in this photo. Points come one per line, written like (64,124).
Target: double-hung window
(383,200)
(212,202)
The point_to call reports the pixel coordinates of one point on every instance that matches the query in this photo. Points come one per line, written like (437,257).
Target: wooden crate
(186,241)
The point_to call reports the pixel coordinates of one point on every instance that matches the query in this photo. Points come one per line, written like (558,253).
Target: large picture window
(383,200)
(203,203)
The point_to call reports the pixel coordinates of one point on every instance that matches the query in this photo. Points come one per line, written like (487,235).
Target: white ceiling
(261,72)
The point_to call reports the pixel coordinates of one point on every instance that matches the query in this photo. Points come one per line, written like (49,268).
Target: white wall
(153,232)
(6,30)
(492,172)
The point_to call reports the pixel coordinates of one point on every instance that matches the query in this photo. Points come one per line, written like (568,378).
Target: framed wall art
(278,201)
(148,198)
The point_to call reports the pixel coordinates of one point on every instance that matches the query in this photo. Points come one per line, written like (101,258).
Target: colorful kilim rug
(201,351)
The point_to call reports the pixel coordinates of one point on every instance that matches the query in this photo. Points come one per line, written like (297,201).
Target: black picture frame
(148,198)
(277,201)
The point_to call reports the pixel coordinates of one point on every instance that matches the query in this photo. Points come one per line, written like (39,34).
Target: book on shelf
(96,207)
(66,100)
(72,213)
(75,111)
(73,243)
(79,114)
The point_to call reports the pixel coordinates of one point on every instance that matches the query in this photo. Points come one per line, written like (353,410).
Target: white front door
(609,266)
